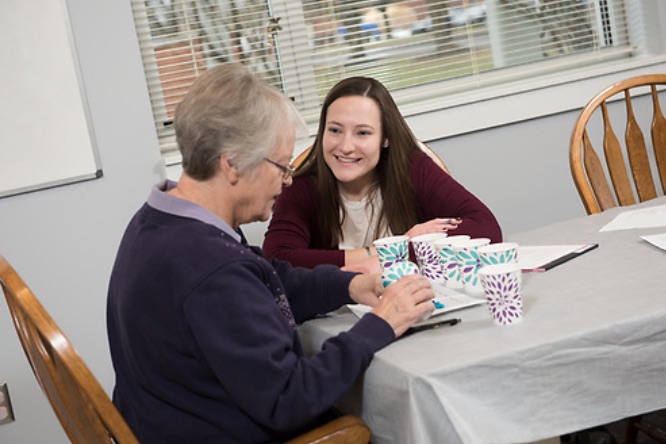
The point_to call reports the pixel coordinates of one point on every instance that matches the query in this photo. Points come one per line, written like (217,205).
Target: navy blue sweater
(201,350)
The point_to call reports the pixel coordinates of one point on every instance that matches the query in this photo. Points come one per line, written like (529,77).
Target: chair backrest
(83,408)
(589,172)
(425,148)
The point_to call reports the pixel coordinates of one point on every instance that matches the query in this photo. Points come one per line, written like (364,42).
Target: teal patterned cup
(469,263)
(500,253)
(399,269)
(391,250)
(448,262)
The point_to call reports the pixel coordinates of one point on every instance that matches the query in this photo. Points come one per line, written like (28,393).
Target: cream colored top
(358,228)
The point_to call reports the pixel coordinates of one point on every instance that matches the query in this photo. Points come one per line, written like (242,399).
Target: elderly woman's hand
(366,289)
(401,304)
(405,302)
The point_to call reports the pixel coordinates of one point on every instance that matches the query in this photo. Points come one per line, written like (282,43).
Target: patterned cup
(448,262)
(500,253)
(427,256)
(392,249)
(396,271)
(502,287)
(467,256)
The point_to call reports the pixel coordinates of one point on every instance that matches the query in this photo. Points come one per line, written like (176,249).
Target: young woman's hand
(439,225)
(368,265)
(362,260)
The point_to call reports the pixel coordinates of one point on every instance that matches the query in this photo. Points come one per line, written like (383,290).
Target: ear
(386,143)
(228,170)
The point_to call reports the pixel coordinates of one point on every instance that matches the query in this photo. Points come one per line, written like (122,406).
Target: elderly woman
(202,328)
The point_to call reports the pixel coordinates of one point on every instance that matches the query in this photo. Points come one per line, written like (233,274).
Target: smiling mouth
(347,160)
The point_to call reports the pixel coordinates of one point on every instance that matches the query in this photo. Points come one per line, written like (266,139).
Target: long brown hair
(399,209)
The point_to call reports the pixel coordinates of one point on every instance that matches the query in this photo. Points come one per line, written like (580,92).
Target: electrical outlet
(6,412)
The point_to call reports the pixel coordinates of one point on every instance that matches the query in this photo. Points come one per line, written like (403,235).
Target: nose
(347,144)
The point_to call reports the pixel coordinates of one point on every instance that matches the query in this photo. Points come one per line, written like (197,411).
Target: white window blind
(419,49)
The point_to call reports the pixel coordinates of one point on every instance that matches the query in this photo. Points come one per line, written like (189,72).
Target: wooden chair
(343,430)
(426,149)
(83,408)
(639,424)
(590,177)
(586,167)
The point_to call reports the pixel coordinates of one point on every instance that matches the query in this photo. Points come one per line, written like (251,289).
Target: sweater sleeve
(255,355)
(439,195)
(327,282)
(291,232)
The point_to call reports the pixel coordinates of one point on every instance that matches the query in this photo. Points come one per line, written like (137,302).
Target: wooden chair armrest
(344,430)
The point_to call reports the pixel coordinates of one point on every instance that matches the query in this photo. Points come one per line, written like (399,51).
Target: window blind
(419,49)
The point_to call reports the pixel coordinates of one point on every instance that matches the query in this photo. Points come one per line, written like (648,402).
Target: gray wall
(521,171)
(63,240)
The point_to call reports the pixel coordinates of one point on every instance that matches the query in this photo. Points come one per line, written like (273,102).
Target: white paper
(450,299)
(658,240)
(643,218)
(531,258)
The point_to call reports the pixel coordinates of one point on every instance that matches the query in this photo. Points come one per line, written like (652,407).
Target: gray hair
(229,111)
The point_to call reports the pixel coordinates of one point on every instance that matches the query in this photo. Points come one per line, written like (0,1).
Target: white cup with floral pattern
(502,285)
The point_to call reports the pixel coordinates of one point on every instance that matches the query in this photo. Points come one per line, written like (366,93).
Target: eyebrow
(361,126)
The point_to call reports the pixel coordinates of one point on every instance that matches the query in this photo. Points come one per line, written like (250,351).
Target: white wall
(63,241)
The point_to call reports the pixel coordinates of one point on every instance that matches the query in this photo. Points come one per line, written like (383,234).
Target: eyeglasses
(287,171)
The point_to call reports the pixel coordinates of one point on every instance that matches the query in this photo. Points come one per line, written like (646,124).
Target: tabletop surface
(591,349)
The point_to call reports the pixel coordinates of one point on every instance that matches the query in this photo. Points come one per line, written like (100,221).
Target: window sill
(520,101)
(511,103)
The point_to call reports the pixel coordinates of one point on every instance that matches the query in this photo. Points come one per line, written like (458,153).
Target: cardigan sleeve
(438,194)
(328,282)
(255,355)
(291,232)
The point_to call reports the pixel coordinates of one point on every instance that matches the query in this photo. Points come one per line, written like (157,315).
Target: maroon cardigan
(293,233)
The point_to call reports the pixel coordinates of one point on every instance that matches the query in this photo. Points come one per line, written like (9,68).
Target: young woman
(365,178)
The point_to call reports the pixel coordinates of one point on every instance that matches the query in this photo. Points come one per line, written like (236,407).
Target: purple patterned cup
(427,256)
(502,286)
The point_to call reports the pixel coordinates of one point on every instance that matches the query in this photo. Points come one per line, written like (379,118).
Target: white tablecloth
(591,349)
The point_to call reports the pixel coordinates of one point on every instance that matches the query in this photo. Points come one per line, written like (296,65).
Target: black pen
(567,257)
(431,326)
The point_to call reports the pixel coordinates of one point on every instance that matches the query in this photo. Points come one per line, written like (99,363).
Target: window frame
(504,104)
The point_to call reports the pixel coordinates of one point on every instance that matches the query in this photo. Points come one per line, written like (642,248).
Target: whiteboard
(45,136)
